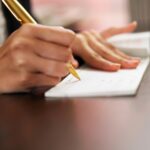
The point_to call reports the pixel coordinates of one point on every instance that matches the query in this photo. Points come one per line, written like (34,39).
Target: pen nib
(73,71)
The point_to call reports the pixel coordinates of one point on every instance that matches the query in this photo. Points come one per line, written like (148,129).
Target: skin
(36,56)
(98,53)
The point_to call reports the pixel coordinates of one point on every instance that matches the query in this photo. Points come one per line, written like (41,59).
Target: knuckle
(94,57)
(104,52)
(18,58)
(26,28)
(18,43)
(17,52)
(21,62)
(81,39)
(71,34)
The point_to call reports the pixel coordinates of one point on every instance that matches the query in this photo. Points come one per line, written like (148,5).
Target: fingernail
(130,64)
(136,62)
(116,66)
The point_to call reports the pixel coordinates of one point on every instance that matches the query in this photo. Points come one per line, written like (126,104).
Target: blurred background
(82,15)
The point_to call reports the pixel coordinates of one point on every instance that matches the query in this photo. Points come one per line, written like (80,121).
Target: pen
(23,17)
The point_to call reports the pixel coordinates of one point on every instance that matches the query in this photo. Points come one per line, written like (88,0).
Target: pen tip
(78,78)
(73,71)
(76,75)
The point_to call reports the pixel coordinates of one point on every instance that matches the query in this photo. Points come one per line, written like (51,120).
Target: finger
(108,54)
(96,61)
(114,31)
(93,59)
(33,63)
(74,62)
(112,47)
(122,54)
(50,34)
(54,52)
(35,80)
(50,50)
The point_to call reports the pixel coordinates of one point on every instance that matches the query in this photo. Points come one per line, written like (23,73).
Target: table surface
(29,122)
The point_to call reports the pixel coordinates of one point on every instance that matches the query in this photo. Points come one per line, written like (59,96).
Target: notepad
(95,83)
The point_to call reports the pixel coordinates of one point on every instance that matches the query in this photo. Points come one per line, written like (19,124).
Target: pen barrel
(19,11)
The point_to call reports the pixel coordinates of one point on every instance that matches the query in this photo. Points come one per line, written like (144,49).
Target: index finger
(56,35)
(114,31)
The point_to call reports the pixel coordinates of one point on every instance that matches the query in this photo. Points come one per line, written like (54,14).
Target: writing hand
(34,56)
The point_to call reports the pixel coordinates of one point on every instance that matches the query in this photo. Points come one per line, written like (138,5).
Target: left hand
(94,49)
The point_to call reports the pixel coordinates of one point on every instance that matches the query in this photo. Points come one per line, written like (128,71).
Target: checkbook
(95,83)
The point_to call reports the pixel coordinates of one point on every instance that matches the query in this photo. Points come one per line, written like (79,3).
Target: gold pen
(23,17)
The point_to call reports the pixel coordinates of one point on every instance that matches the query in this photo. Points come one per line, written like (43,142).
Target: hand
(98,53)
(34,56)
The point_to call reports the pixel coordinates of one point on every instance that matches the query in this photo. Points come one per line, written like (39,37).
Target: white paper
(137,44)
(96,83)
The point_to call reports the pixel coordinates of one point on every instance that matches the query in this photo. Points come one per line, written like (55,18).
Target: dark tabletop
(29,122)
